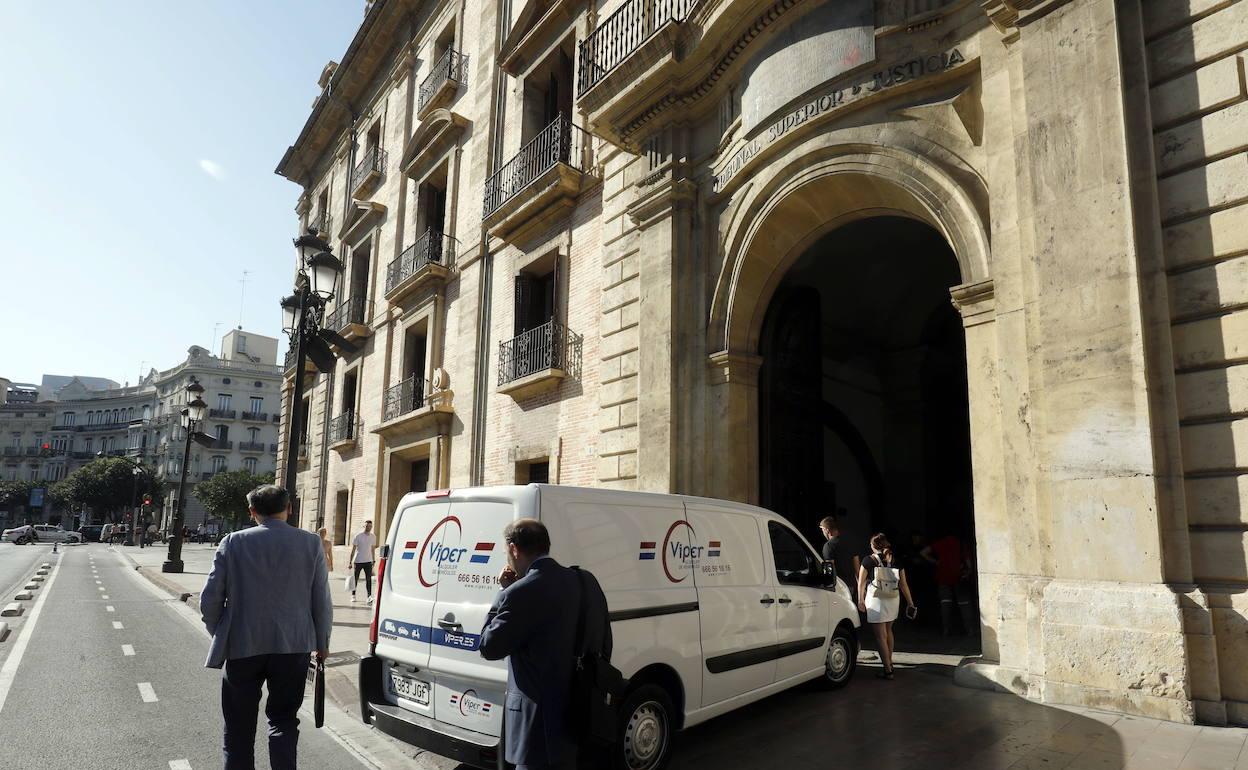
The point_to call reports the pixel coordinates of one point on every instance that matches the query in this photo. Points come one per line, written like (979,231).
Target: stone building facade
(968,267)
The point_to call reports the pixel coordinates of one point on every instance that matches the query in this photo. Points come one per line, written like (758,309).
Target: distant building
(142,422)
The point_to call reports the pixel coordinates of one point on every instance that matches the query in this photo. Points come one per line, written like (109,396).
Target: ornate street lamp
(316,284)
(192,419)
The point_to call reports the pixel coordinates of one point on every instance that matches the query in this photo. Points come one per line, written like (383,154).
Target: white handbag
(351,582)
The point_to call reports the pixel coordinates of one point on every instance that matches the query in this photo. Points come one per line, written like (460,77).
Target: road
(112,676)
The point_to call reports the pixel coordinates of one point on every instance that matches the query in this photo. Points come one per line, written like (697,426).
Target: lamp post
(192,417)
(302,313)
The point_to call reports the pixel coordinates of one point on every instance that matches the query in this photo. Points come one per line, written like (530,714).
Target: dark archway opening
(863,407)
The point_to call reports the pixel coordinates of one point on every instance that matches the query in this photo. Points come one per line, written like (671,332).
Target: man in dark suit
(267,605)
(533,624)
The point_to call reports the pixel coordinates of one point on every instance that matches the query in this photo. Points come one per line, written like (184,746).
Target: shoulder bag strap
(579,649)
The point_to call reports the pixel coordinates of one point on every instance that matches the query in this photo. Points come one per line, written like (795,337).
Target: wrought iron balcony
(407,396)
(371,166)
(251,446)
(12,451)
(448,74)
(223,414)
(209,474)
(536,350)
(289,367)
(256,416)
(277,418)
(219,444)
(408,270)
(32,451)
(321,223)
(273,449)
(342,429)
(350,311)
(560,144)
(622,33)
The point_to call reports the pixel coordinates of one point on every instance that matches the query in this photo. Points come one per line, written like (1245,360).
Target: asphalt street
(113,677)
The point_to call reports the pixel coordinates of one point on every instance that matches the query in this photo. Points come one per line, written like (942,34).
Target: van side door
(803,607)
(736,600)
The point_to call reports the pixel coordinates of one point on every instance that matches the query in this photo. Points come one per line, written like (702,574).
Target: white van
(713,605)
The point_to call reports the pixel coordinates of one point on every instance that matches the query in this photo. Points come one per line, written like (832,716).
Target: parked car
(713,605)
(91,532)
(40,533)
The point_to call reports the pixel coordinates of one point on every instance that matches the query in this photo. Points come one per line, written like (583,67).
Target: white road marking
(147,693)
(100,588)
(9,671)
(179,764)
(127,650)
(103,596)
(108,608)
(117,625)
(98,583)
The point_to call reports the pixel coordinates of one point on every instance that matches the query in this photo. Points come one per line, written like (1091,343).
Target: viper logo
(679,551)
(439,552)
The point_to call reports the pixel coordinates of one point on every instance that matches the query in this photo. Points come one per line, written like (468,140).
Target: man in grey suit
(267,606)
(533,624)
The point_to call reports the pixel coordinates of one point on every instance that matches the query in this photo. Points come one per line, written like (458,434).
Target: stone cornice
(761,23)
(1009,16)
(728,367)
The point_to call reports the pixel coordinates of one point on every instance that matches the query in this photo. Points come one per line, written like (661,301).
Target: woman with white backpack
(881,584)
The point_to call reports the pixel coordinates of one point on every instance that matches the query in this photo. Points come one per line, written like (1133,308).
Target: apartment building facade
(46,440)
(938,266)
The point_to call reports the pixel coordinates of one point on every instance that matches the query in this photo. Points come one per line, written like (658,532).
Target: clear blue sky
(138,140)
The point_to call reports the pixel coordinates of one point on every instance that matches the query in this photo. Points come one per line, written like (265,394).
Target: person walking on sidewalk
(327,546)
(363,553)
(267,606)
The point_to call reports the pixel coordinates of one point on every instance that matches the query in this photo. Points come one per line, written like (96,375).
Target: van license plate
(411,689)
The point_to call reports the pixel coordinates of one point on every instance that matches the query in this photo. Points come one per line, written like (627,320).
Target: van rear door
(407,596)
(465,554)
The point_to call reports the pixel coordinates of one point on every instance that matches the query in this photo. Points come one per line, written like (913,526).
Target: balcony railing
(209,474)
(220,444)
(351,311)
(12,451)
(251,446)
(272,448)
(321,223)
(290,359)
(303,451)
(372,161)
(256,416)
(433,246)
(452,66)
(622,33)
(342,427)
(224,414)
(407,396)
(32,451)
(277,418)
(560,142)
(533,351)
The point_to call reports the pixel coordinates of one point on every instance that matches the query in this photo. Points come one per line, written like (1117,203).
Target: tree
(108,485)
(15,493)
(224,495)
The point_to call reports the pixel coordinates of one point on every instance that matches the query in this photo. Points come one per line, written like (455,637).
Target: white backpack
(886,580)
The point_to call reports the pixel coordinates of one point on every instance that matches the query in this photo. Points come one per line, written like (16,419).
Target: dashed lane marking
(103,596)
(100,588)
(179,764)
(9,671)
(147,693)
(117,625)
(108,608)
(127,650)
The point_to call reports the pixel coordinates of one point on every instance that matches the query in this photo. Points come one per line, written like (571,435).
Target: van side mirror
(827,574)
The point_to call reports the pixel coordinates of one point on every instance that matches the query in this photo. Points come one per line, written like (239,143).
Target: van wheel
(646,720)
(840,661)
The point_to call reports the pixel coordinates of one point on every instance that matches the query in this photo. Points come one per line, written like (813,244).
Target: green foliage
(224,495)
(108,485)
(15,493)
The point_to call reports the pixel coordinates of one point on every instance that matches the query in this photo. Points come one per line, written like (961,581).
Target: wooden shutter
(524,293)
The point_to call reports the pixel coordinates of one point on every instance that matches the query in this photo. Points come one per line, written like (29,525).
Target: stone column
(663,212)
(1087,618)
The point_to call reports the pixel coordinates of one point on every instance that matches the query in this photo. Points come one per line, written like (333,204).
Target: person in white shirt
(363,553)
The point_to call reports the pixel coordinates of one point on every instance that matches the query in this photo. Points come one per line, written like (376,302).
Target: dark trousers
(285,676)
(367,568)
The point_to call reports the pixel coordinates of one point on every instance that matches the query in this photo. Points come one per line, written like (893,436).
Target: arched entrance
(863,407)
(862,230)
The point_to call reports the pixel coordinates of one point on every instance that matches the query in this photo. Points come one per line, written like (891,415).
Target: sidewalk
(348,642)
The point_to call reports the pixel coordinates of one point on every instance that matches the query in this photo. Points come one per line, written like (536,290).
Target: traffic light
(147,499)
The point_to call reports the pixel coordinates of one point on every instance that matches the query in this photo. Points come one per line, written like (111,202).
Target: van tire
(647,724)
(840,660)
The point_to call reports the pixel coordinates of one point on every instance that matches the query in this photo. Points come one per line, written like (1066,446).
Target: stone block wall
(1199,100)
